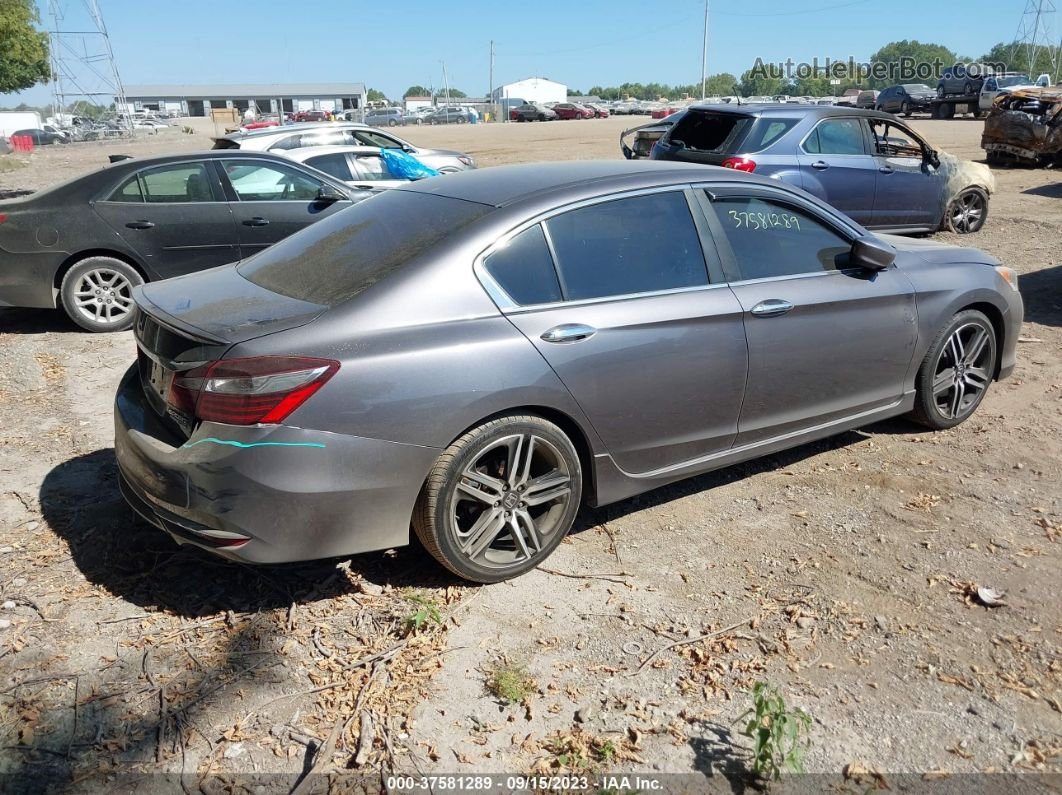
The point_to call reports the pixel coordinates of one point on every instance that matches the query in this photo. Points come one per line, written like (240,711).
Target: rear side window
(524,269)
(627,246)
(182,182)
(129,191)
(344,254)
(772,239)
(711,132)
(836,137)
(765,132)
(334,164)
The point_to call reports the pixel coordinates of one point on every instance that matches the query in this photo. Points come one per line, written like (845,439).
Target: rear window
(711,132)
(335,259)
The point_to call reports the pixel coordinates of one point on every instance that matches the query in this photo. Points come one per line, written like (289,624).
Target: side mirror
(931,157)
(326,193)
(871,254)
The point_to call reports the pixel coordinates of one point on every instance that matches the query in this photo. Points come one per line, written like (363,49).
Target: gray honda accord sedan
(475,356)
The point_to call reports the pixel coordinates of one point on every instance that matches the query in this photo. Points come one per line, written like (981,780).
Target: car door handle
(256,221)
(885,170)
(140,225)
(568,332)
(821,165)
(772,307)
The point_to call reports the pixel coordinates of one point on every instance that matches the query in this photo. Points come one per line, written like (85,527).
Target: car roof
(500,186)
(304,152)
(785,109)
(206,154)
(296,127)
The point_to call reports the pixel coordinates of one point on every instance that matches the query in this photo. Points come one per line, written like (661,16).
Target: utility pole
(446,84)
(704,54)
(490,96)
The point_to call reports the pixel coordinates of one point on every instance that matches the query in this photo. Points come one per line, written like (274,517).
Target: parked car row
(84,245)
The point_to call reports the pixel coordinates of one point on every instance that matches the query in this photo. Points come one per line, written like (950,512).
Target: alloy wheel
(968,212)
(963,370)
(104,296)
(510,501)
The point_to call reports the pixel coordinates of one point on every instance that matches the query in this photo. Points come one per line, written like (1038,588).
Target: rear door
(616,296)
(825,341)
(271,200)
(174,217)
(836,166)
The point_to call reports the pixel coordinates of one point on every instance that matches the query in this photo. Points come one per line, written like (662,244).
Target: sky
(391,46)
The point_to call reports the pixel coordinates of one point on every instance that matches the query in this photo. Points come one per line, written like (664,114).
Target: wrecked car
(645,135)
(1025,126)
(866,163)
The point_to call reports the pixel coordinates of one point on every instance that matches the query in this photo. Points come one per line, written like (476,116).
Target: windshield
(337,258)
(1014,80)
(917,88)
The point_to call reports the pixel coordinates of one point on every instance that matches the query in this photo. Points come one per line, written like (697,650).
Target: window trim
(726,253)
(814,130)
(507,306)
(103,197)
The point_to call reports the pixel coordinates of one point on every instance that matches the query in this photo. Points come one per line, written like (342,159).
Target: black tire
(542,117)
(905,109)
(933,370)
(462,120)
(941,93)
(967,88)
(947,110)
(976,202)
(975,111)
(91,275)
(444,504)
(392,123)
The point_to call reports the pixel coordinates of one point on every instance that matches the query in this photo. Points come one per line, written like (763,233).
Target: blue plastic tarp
(403,165)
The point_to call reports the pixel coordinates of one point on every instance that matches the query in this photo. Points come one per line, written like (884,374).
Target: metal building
(531,89)
(199,100)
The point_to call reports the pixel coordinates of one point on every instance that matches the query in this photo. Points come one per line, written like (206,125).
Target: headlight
(1010,276)
(468,161)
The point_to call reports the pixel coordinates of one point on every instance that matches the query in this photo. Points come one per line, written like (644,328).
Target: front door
(174,217)
(910,191)
(653,353)
(825,341)
(836,166)
(272,201)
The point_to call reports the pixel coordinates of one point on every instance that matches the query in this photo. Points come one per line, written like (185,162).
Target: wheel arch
(572,429)
(74,259)
(995,317)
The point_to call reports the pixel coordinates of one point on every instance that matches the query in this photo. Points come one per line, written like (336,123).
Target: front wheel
(956,372)
(967,212)
(97,293)
(500,499)
(905,109)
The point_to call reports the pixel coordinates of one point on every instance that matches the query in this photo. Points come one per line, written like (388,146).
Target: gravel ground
(838,571)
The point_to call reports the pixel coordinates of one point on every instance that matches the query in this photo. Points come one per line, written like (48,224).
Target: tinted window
(836,137)
(636,245)
(182,182)
(334,164)
(710,132)
(129,191)
(765,132)
(771,239)
(373,138)
(340,256)
(524,269)
(255,182)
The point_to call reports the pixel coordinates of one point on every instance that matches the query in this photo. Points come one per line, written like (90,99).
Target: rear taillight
(262,389)
(740,164)
(3,217)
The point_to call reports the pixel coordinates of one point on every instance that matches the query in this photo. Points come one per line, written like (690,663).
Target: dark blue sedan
(867,164)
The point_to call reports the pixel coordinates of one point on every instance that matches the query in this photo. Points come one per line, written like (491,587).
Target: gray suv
(299,136)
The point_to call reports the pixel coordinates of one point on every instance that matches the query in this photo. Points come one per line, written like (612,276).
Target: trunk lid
(188,321)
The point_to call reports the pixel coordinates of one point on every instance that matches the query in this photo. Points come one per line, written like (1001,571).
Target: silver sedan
(477,356)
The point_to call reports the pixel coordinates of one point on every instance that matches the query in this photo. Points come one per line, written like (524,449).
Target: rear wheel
(958,368)
(97,293)
(462,120)
(967,212)
(542,117)
(905,108)
(500,499)
(967,88)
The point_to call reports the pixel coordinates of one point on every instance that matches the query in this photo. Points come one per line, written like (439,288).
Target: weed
(510,683)
(11,164)
(425,612)
(778,733)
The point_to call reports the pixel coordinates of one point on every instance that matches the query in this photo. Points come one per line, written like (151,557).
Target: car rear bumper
(27,280)
(265,494)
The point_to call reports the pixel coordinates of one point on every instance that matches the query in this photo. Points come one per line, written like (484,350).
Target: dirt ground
(838,571)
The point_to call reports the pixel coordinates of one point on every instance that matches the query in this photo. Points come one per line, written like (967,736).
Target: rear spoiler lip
(163,318)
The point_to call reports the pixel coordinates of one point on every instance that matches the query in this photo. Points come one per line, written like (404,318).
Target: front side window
(524,269)
(179,183)
(255,182)
(892,140)
(372,167)
(770,239)
(836,137)
(627,246)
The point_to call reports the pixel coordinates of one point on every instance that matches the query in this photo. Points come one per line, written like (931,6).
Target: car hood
(933,251)
(219,305)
